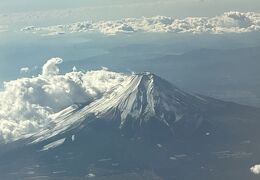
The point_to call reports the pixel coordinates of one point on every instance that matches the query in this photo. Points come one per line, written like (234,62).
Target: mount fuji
(144,129)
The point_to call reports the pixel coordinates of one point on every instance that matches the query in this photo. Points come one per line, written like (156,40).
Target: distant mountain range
(150,129)
(227,74)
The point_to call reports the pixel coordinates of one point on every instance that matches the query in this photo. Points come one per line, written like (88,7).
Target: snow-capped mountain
(145,104)
(142,128)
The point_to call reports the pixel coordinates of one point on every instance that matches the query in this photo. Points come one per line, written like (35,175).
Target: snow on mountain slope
(143,99)
(46,105)
(147,96)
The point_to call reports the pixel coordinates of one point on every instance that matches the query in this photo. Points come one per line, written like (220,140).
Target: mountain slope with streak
(147,102)
(146,129)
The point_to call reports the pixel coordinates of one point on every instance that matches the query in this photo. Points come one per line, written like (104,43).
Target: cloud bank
(255,169)
(27,104)
(229,22)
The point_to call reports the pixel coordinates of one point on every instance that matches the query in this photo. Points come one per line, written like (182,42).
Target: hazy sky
(20,13)
(111,9)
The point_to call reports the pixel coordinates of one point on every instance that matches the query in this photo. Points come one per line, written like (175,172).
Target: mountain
(148,129)
(146,104)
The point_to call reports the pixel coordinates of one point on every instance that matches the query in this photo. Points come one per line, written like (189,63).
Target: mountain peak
(147,99)
(146,103)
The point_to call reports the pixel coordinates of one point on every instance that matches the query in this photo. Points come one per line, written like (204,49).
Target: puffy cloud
(255,169)
(229,22)
(27,104)
(51,68)
(237,22)
(74,69)
(24,70)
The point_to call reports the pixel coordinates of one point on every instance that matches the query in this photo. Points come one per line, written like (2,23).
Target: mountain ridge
(147,124)
(146,98)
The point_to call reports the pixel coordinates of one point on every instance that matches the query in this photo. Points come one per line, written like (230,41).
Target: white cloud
(255,169)
(27,104)
(51,68)
(24,70)
(74,69)
(230,22)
